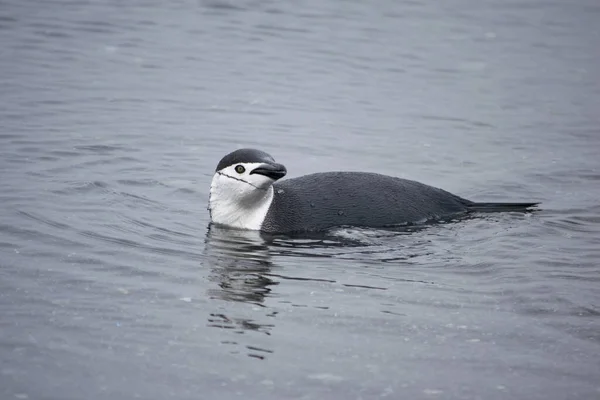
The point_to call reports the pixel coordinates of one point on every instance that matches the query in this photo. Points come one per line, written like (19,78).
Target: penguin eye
(240,169)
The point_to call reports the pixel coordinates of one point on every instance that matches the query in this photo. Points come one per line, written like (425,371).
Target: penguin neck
(243,213)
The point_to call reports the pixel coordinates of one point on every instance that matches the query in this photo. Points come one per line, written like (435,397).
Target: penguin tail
(501,207)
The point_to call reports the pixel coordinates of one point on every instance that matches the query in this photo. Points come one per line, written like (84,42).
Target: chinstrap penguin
(246,193)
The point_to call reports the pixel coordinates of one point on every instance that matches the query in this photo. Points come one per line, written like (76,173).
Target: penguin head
(241,190)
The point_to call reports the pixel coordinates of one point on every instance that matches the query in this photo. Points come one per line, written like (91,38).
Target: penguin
(247,192)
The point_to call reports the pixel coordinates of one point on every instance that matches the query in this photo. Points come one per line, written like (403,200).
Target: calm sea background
(114,114)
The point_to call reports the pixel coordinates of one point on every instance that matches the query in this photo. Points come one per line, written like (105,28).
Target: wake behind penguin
(246,193)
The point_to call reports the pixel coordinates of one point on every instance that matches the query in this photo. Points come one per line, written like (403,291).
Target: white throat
(237,203)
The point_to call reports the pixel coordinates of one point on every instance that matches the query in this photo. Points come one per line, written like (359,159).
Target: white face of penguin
(240,194)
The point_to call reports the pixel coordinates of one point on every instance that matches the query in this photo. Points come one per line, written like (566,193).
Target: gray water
(113,116)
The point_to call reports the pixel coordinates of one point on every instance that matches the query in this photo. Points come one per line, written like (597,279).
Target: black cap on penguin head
(244,156)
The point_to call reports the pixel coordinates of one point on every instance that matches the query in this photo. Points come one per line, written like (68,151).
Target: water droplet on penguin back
(340,212)
(312,205)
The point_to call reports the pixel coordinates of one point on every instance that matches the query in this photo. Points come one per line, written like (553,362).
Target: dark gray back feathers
(324,200)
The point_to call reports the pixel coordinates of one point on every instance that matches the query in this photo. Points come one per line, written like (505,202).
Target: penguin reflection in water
(246,193)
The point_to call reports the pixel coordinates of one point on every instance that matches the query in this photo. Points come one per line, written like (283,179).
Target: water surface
(113,116)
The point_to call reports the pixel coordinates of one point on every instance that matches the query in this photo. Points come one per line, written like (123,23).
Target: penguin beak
(273,171)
